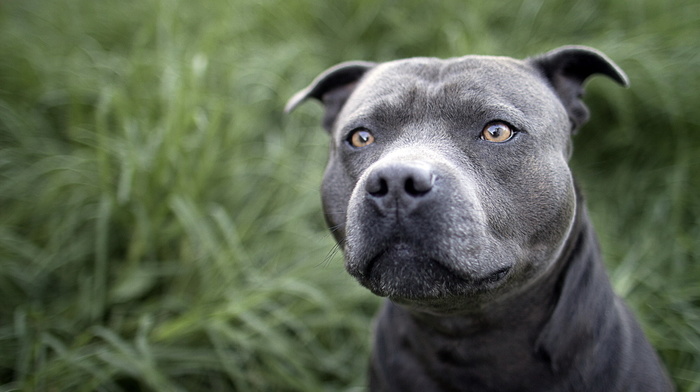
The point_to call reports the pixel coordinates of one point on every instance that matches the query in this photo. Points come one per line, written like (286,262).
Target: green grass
(160,224)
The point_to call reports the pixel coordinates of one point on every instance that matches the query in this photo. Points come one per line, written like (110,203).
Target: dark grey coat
(448,189)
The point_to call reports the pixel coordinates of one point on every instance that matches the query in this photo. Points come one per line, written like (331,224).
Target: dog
(449,191)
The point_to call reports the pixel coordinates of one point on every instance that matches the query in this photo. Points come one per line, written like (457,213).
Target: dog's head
(448,179)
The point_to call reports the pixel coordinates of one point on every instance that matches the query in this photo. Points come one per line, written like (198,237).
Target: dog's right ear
(332,87)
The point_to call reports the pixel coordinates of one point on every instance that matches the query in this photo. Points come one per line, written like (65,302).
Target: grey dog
(448,189)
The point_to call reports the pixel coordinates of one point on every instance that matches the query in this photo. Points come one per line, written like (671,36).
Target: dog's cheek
(535,208)
(335,196)
(552,209)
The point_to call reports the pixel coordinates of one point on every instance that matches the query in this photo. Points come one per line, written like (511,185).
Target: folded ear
(567,68)
(332,87)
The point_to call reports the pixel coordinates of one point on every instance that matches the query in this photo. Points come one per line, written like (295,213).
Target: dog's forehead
(473,68)
(493,80)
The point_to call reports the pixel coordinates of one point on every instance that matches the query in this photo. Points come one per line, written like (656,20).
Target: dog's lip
(496,276)
(485,280)
(400,247)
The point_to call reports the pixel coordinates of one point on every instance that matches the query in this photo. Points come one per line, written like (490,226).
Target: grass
(160,224)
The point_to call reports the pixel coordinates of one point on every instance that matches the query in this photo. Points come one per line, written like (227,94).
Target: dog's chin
(405,275)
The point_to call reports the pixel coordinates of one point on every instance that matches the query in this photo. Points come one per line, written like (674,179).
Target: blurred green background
(160,224)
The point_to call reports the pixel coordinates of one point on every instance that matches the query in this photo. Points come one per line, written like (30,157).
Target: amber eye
(361,137)
(497,132)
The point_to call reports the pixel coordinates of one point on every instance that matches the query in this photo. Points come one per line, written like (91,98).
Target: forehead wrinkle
(422,102)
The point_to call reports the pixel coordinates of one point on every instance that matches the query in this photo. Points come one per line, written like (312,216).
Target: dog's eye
(360,137)
(497,132)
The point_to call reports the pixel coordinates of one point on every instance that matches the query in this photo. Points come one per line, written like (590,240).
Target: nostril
(378,188)
(419,185)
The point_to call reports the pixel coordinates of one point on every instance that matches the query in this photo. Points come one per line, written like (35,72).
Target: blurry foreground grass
(160,225)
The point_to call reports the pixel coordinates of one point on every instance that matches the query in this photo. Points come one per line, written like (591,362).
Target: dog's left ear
(567,68)
(332,87)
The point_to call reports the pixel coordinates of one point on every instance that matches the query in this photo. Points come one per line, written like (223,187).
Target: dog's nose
(400,182)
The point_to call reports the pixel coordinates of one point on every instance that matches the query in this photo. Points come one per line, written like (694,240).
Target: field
(160,220)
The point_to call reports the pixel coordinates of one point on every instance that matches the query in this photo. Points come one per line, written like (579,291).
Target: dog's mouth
(494,277)
(400,271)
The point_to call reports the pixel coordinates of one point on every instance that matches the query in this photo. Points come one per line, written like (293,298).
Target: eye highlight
(360,137)
(497,132)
